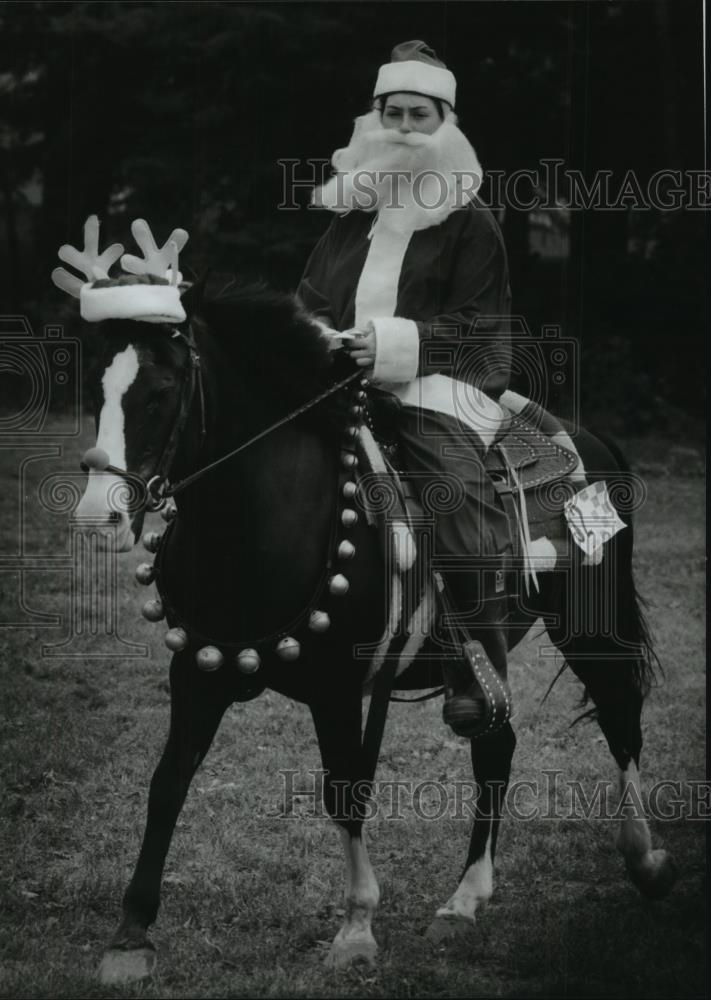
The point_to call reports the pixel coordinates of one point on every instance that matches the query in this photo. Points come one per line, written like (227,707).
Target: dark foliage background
(179,112)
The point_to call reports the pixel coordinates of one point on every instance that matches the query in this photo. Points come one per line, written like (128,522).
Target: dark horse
(248,559)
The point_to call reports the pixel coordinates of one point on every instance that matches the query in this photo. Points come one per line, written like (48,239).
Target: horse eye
(162,392)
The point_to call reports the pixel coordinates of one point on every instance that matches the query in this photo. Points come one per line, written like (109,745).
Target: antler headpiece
(154,297)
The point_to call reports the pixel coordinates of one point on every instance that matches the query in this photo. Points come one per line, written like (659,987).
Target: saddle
(521,455)
(520,460)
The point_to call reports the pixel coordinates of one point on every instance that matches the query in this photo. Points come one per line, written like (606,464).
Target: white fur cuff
(397,350)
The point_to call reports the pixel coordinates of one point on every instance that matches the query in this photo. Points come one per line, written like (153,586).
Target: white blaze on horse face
(104,492)
(117,380)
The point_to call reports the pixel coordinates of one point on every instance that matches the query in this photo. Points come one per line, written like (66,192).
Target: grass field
(251,901)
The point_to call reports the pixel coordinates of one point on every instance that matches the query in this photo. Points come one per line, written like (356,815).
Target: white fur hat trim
(418,77)
(144,303)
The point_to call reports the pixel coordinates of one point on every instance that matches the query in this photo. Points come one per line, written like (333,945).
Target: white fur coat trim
(397,350)
(376,294)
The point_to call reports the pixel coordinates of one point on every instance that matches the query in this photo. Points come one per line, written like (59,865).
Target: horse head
(140,380)
(238,361)
(139,388)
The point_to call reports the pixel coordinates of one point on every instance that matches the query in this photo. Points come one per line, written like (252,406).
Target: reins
(304,408)
(157,488)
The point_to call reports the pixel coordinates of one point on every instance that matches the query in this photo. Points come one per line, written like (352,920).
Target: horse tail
(631,606)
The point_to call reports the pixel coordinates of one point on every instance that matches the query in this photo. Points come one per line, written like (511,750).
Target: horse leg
(654,872)
(491,761)
(198,703)
(338,727)
(610,683)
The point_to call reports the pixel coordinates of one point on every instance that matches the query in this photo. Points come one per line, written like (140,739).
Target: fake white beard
(412,180)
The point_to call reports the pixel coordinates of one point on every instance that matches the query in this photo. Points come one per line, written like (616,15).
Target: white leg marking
(633,837)
(475,889)
(355,938)
(120,967)
(652,871)
(103,493)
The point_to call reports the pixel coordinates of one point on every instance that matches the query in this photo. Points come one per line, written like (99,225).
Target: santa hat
(415,67)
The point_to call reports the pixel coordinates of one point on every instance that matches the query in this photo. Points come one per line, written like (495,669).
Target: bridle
(157,489)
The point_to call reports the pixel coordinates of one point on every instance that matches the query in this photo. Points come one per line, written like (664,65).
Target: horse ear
(193,295)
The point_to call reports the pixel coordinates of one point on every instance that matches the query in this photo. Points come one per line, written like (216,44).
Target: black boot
(477,696)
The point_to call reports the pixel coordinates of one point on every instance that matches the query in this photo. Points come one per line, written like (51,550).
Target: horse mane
(269,336)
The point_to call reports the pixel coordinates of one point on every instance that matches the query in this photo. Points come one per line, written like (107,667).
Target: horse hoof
(119,966)
(446,928)
(344,954)
(655,874)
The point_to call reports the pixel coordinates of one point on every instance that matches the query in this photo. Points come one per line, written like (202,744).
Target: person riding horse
(413,273)
(193,414)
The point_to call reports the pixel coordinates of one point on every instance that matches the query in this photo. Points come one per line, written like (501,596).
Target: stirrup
(485,706)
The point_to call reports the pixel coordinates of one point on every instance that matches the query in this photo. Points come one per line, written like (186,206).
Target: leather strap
(377,716)
(495,692)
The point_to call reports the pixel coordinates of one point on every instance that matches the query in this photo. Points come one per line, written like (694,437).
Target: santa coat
(438,299)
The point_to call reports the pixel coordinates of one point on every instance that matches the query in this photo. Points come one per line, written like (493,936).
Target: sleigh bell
(145,573)
(248,661)
(346,549)
(153,610)
(349,517)
(151,541)
(176,639)
(338,585)
(319,622)
(209,658)
(288,649)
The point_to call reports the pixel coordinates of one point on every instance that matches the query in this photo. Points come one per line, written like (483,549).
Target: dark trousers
(471,533)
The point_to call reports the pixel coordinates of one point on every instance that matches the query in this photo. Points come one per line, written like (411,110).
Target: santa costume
(413,254)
